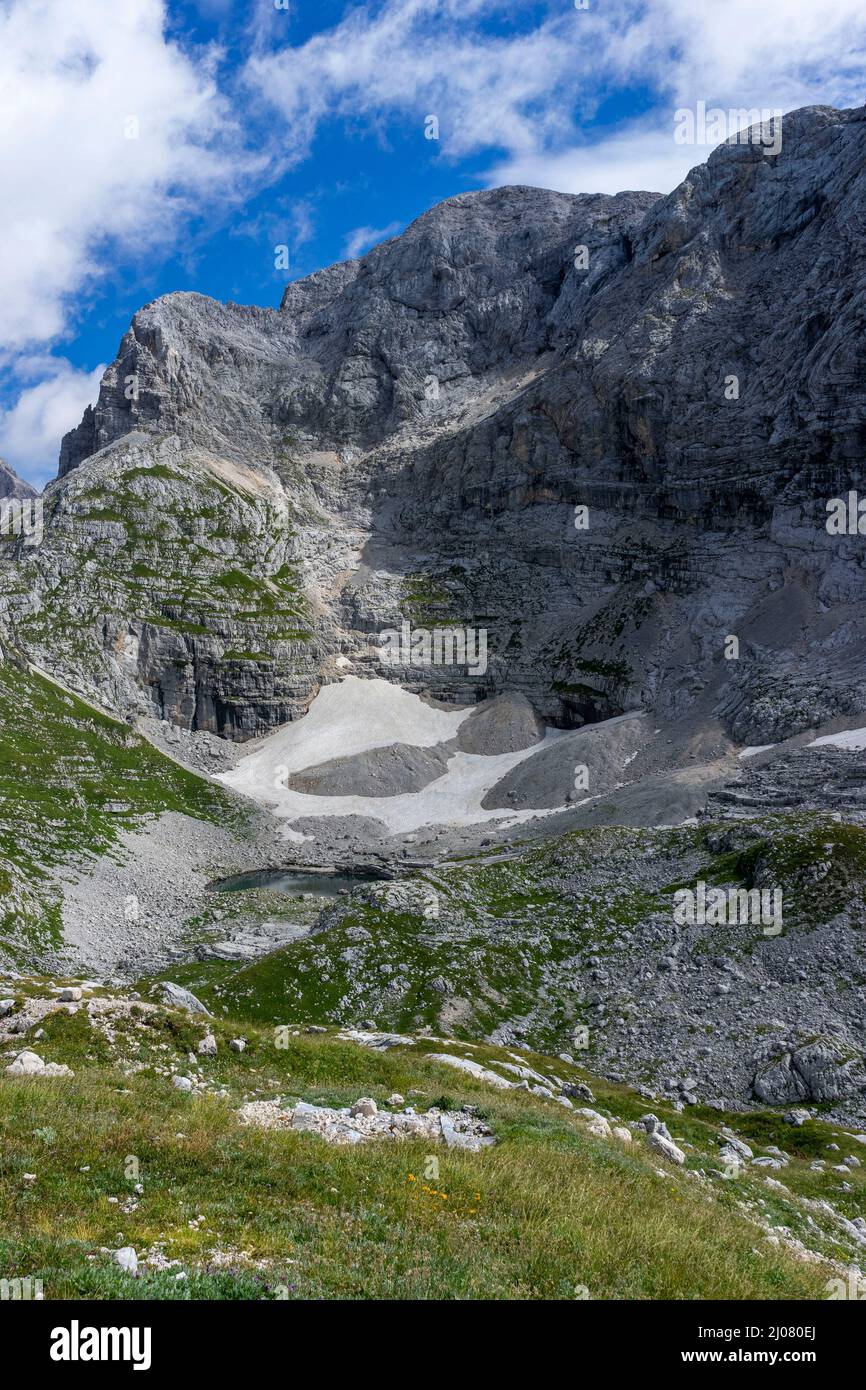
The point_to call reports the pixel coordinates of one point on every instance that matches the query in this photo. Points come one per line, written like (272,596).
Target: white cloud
(362,238)
(30,432)
(75,78)
(778,55)
(632,159)
(429,57)
(534,95)
(784,53)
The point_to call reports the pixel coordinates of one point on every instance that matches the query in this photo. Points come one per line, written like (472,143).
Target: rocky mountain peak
(411,435)
(11,485)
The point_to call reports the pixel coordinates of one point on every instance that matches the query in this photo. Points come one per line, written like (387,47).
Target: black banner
(145,1338)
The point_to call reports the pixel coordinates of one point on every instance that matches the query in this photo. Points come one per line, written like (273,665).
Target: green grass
(191,555)
(71,779)
(547,1210)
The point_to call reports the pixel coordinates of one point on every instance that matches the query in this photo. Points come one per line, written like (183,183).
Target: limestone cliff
(258,492)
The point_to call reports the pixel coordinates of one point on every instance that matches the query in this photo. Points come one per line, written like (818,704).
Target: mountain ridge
(11,485)
(434,411)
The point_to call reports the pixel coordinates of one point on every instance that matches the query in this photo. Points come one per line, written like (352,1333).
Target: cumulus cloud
(430,57)
(783,53)
(109,134)
(533,95)
(362,238)
(30,432)
(777,56)
(636,158)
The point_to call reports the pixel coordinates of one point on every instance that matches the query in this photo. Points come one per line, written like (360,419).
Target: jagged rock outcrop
(409,435)
(11,485)
(823,1069)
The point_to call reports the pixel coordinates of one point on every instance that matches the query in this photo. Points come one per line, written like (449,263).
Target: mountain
(604,432)
(258,492)
(11,485)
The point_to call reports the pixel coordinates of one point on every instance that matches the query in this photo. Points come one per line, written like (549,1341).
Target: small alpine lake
(293,883)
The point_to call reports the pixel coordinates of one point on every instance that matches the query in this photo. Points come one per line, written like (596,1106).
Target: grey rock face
(777,1082)
(464,291)
(175,590)
(409,435)
(822,1070)
(11,485)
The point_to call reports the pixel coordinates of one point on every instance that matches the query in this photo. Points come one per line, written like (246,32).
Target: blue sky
(152,147)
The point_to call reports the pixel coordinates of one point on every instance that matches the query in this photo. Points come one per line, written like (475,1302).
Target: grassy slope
(547,1210)
(70,780)
(557,1209)
(175,547)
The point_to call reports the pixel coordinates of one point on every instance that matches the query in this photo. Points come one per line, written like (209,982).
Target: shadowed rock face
(409,435)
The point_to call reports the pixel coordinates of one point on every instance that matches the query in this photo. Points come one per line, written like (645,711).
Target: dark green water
(291,883)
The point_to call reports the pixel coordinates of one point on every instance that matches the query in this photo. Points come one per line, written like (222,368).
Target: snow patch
(855,739)
(357,715)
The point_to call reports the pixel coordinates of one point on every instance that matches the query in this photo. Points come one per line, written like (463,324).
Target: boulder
(577,1090)
(796,1116)
(653,1125)
(179,998)
(737,1146)
(30,1064)
(596,1124)
(473,1068)
(26,1064)
(666,1147)
(365,1106)
(829,1070)
(127,1259)
(777,1083)
(823,1069)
